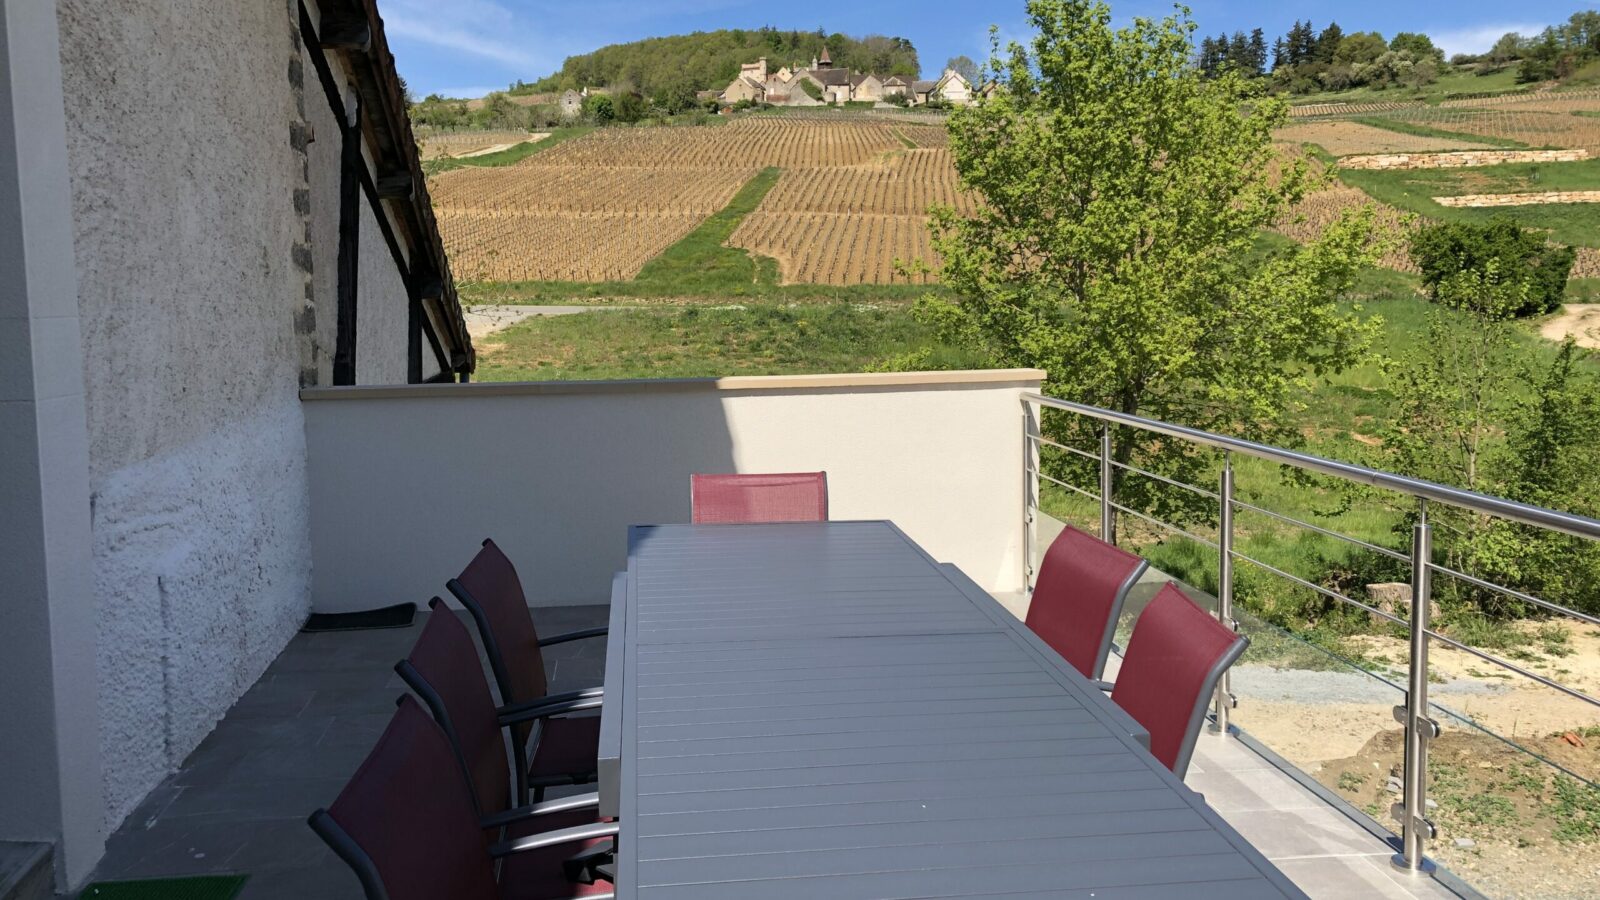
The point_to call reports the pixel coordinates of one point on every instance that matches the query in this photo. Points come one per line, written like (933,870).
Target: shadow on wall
(405,482)
(556,485)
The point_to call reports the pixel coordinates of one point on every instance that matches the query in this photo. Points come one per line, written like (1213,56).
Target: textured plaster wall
(324,156)
(184,139)
(381,308)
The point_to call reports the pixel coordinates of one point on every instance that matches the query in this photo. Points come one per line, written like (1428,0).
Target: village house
(865,88)
(571,104)
(822,83)
(953,88)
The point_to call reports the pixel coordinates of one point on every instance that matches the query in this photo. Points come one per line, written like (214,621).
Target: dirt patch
(1580,321)
(1507,823)
(1354,138)
(497,148)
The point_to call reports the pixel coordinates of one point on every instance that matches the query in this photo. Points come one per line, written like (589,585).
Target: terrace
(406,480)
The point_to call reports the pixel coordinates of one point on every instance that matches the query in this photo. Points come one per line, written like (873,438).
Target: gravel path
(486,320)
(1322,688)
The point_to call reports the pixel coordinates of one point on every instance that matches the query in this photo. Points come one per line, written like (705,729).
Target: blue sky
(470,47)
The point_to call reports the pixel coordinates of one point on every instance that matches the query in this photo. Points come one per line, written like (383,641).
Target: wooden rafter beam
(397,186)
(345,34)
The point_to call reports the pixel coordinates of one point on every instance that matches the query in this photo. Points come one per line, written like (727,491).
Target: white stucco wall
(382,308)
(184,179)
(406,482)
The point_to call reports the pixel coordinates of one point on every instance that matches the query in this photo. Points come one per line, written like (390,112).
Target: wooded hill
(708,60)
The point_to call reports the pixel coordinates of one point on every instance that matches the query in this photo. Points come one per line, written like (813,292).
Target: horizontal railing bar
(1172,528)
(1511,592)
(1070,487)
(1320,530)
(1172,481)
(1083,453)
(1567,523)
(1321,590)
(1489,657)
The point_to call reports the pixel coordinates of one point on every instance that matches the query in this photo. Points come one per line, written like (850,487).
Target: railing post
(1031,426)
(1420,728)
(1108,521)
(1225,701)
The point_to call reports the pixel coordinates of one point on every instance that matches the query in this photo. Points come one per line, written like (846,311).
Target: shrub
(599,109)
(1501,249)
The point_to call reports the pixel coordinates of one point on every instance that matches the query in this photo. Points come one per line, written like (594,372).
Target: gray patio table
(823,711)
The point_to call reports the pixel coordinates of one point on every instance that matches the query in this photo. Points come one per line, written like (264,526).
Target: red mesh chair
(1078,598)
(751,499)
(565,749)
(444,671)
(1176,654)
(405,824)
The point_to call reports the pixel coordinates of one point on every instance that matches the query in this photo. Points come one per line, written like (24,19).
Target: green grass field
(1414,190)
(1454,83)
(702,341)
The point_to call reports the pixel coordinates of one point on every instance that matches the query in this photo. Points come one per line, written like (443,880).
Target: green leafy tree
(599,109)
(1514,254)
(630,106)
(1360,48)
(1117,245)
(965,67)
(1474,413)
(1420,45)
(675,95)
(1506,49)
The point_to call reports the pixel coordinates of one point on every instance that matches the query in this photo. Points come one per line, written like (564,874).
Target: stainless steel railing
(1420,727)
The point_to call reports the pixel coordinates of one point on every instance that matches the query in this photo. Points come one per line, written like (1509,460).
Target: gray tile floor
(241,800)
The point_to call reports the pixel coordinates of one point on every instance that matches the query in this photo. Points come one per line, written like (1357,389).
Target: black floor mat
(389,617)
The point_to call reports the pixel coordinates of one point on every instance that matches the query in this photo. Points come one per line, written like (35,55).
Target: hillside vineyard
(852,200)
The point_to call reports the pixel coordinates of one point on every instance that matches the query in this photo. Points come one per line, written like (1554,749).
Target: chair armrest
(552,699)
(602,631)
(1105,685)
(555,838)
(551,706)
(532,810)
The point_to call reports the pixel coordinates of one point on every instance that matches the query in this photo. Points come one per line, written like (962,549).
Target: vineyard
(849,225)
(1566,121)
(1343,138)
(852,201)
(438,144)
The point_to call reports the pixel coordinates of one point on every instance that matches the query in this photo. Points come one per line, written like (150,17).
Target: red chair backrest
(495,599)
(750,499)
(1176,654)
(1078,598)
(446,661)
(409,813)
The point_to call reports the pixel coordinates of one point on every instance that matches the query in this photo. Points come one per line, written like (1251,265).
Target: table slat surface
(821,710)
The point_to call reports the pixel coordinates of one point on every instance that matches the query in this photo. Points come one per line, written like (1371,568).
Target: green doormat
(210,887)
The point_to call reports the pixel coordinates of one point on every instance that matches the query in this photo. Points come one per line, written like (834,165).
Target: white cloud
(475,27)
(1480,38)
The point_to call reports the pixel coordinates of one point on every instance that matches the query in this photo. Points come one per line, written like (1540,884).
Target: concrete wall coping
(1031,377)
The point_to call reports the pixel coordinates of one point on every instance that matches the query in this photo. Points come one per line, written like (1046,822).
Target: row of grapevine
(838,248)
